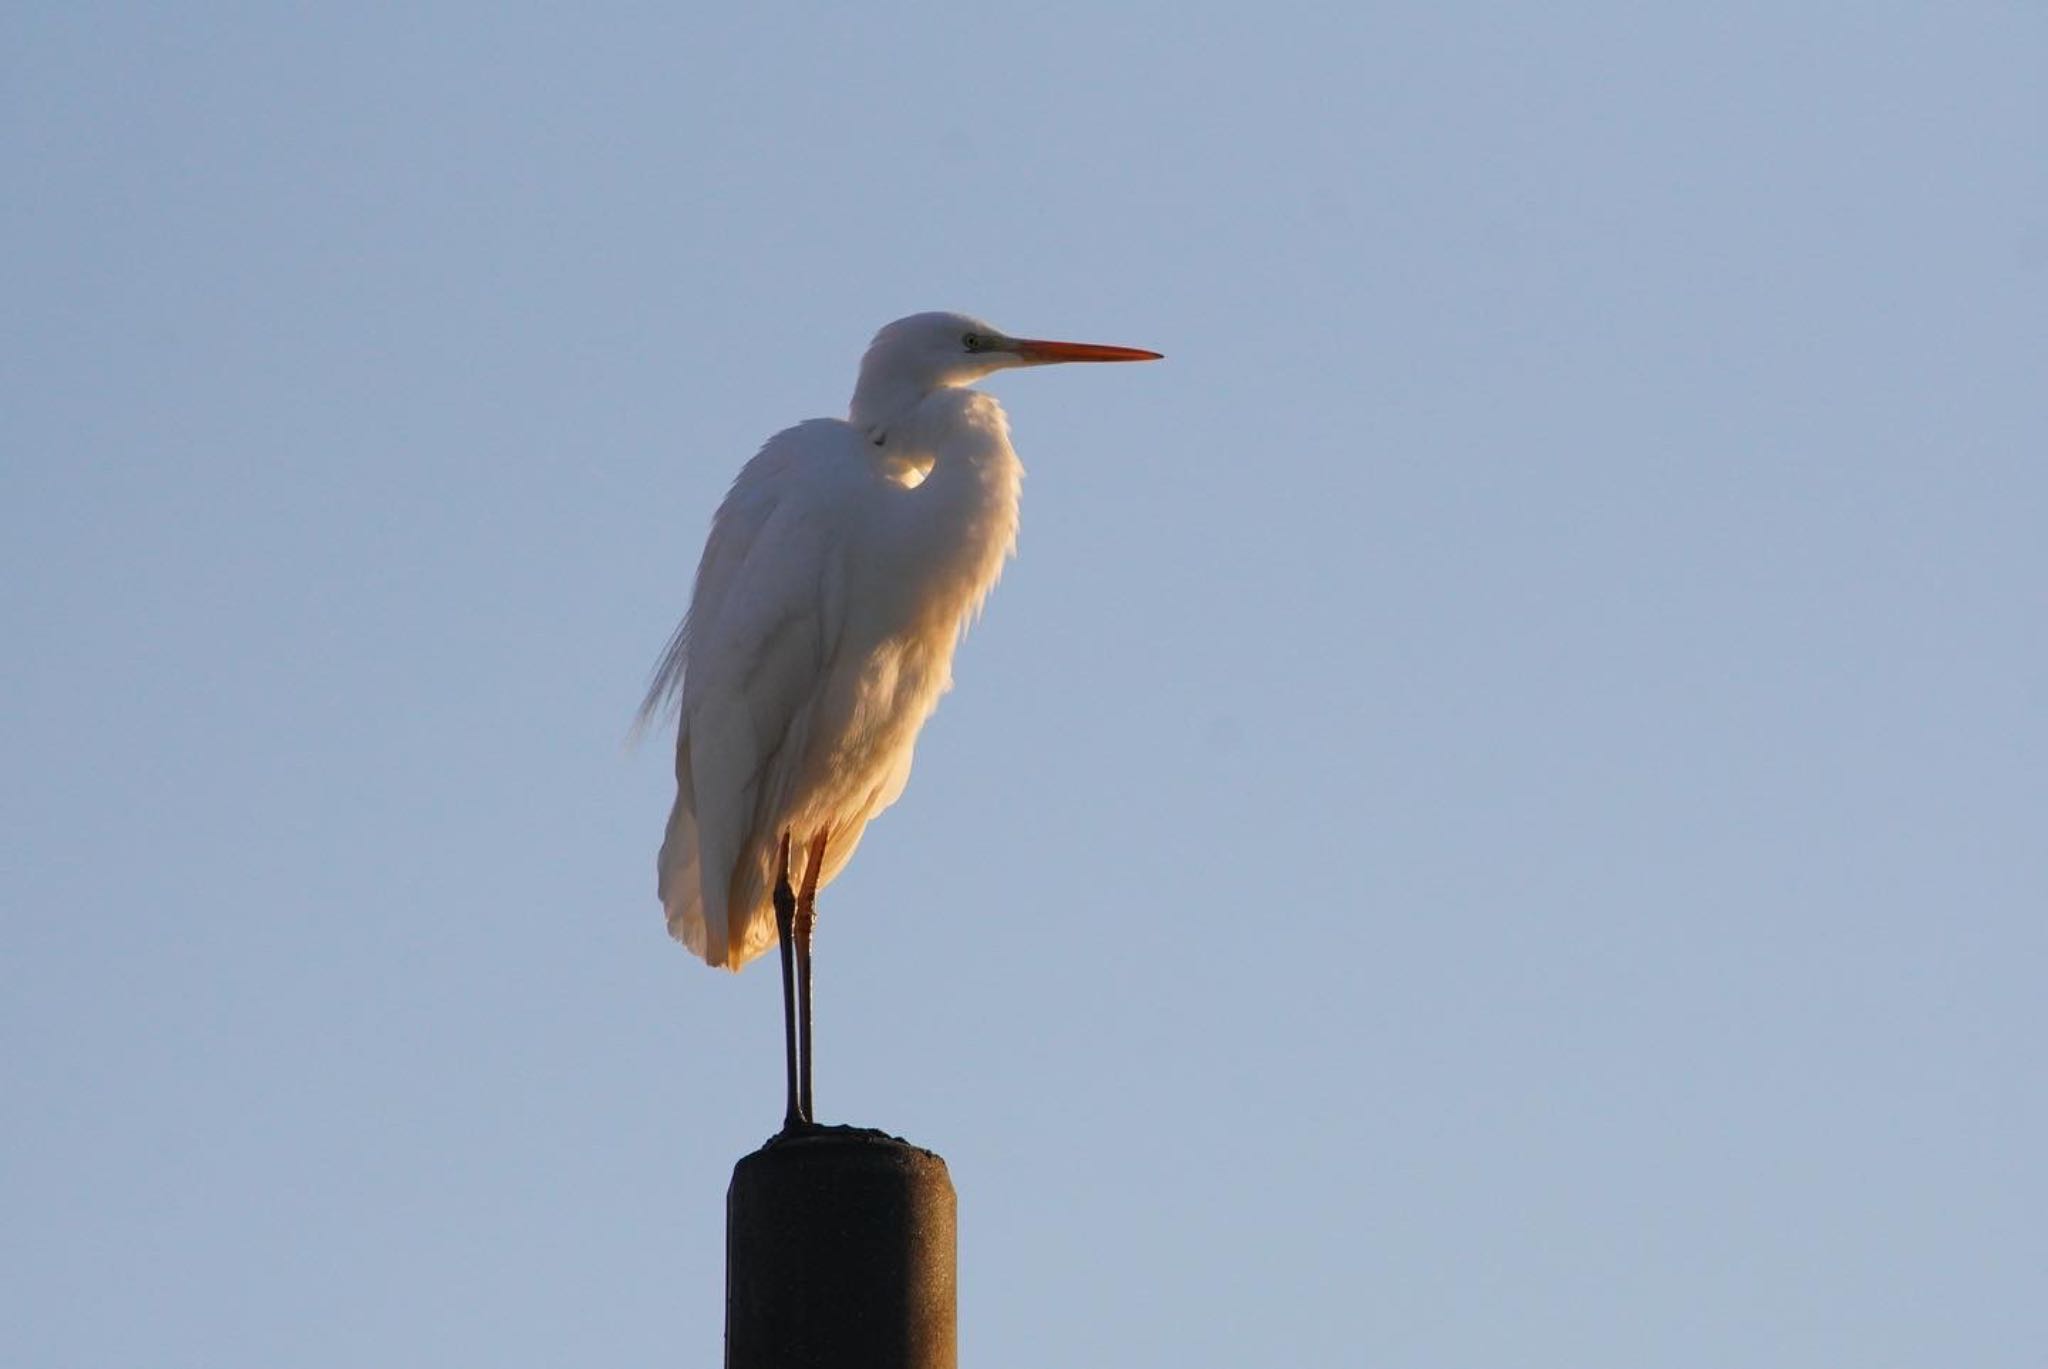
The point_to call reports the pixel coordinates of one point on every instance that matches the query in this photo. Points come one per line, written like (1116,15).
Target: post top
(840,1147)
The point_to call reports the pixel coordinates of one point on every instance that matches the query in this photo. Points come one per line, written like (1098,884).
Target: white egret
(842,568)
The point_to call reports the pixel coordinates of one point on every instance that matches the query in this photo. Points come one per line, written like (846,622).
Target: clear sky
(1500,817)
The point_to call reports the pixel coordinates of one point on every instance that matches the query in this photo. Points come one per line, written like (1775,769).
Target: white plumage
(819,640)
(841,570)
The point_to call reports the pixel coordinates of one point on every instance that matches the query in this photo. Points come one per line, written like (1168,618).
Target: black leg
(806,919)
(785,917)
(803,1016)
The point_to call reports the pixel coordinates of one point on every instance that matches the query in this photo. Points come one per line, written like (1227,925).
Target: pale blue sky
(1497,820)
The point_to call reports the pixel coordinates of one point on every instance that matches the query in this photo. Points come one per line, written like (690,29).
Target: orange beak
(1038,352)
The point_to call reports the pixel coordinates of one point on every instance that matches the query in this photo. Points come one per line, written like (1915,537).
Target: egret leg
(806,917)
(785,916)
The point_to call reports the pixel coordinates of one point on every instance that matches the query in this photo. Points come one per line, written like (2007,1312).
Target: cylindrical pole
(839,1251)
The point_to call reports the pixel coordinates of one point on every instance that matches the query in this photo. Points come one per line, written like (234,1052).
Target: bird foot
(795,1129)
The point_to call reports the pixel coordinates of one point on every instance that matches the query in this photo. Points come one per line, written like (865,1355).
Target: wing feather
(755,494)
(745,670)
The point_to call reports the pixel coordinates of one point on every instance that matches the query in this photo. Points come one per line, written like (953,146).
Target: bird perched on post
(842,568)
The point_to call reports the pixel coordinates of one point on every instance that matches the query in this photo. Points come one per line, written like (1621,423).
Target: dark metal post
(839,1254)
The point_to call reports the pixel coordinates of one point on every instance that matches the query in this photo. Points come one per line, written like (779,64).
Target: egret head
(914,356)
